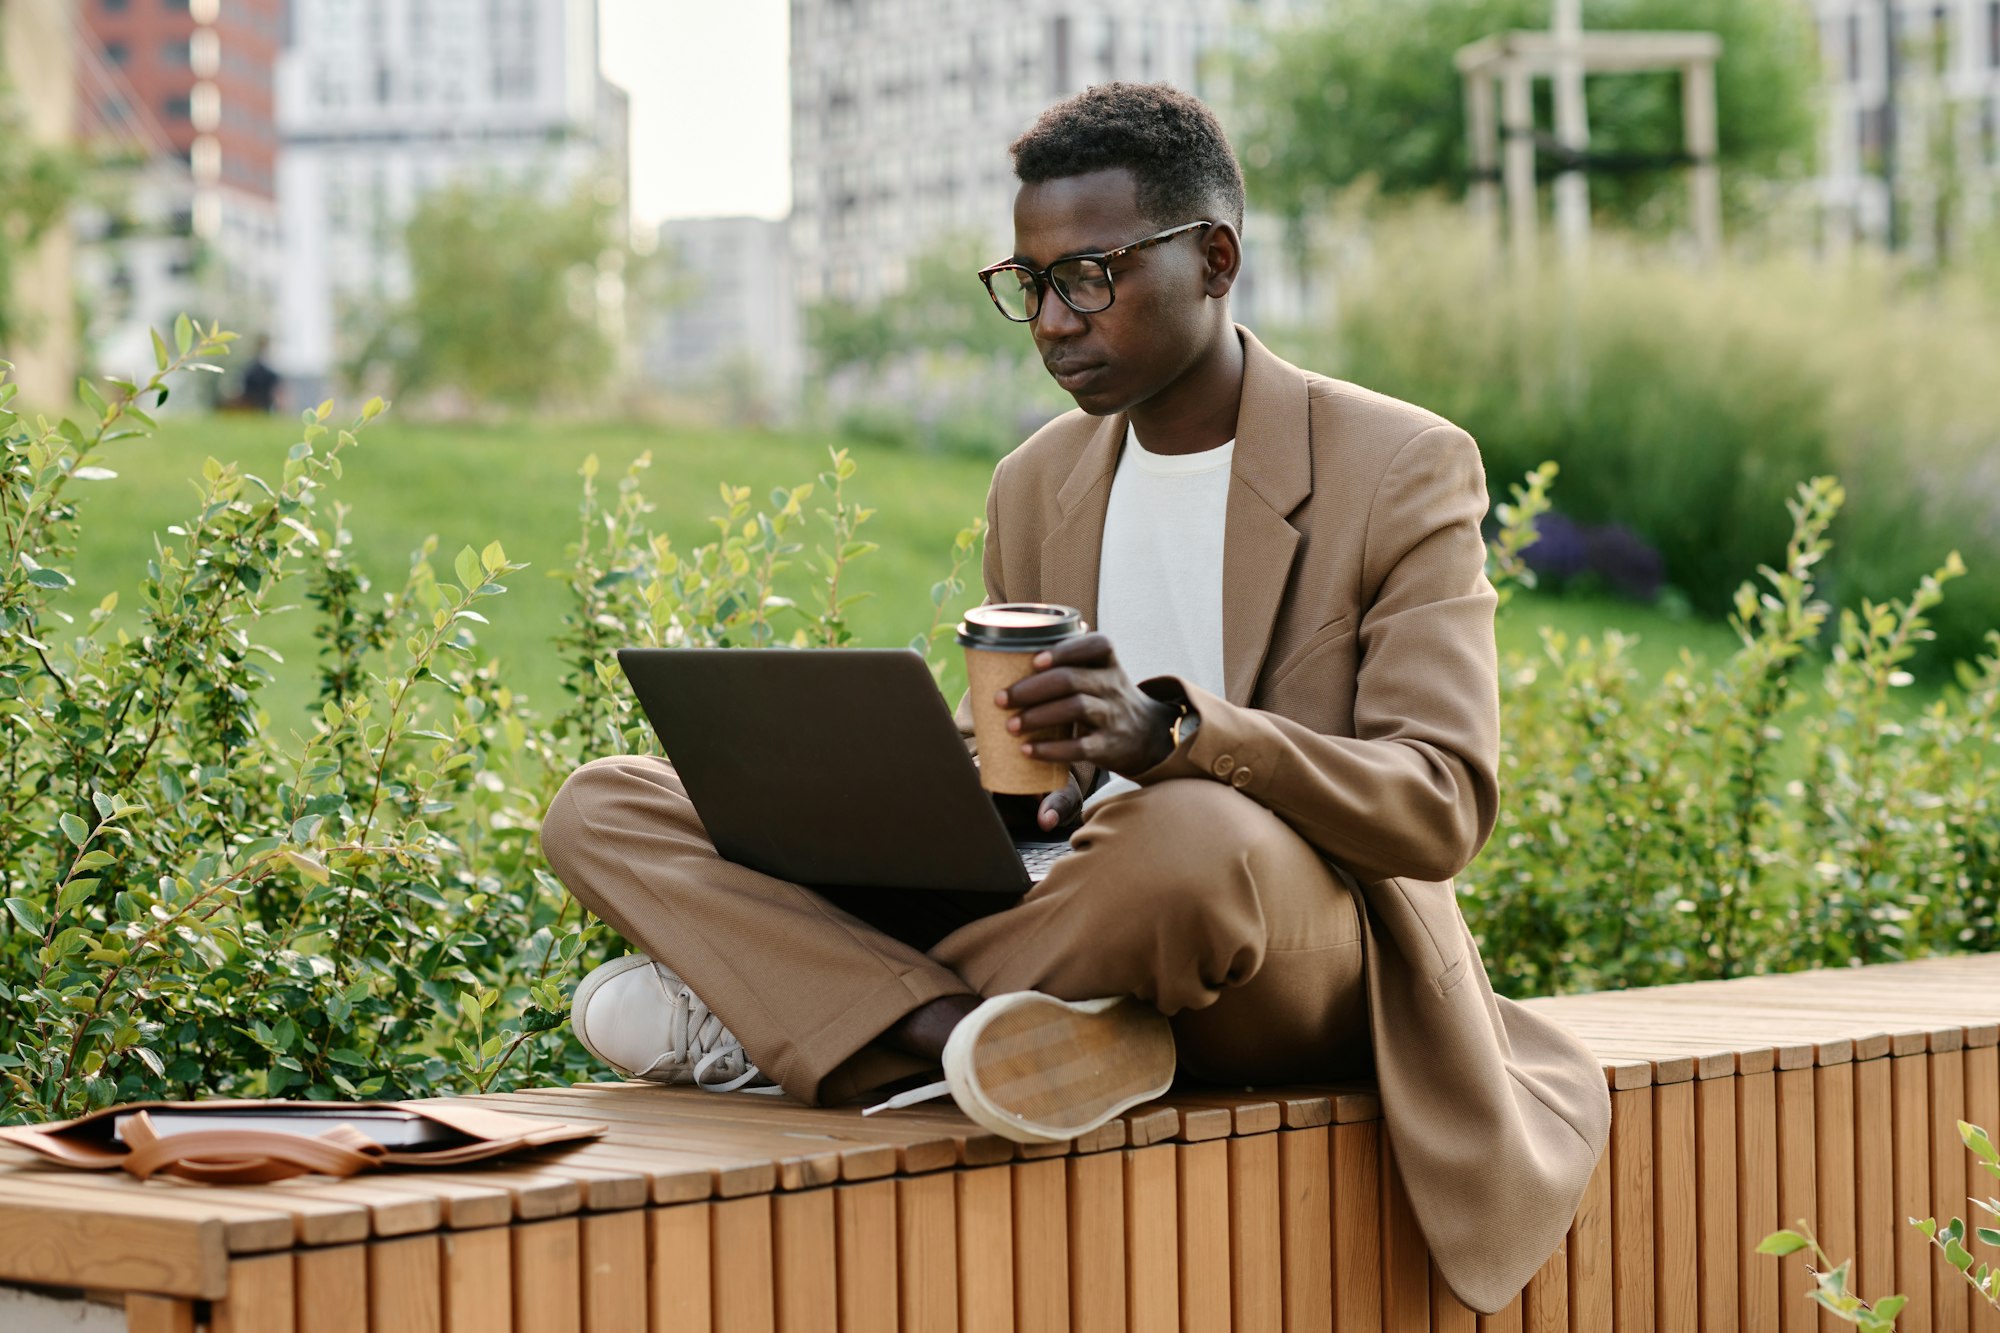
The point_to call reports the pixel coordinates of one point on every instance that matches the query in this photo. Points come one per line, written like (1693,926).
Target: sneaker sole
(1036,1069)
(580,1002)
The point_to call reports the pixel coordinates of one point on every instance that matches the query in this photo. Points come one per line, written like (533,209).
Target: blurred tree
(941,308)
(1370,91)
(37,182)
(503,301)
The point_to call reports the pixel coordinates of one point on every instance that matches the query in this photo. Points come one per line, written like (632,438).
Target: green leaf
(493,559)
(1781,1243)
(161,357)
(74,829)
(32,918)
(310,867)
(183,333)
(466,565)
(1957,1255)
(1987,1235)
(49,578)
(1890,1306)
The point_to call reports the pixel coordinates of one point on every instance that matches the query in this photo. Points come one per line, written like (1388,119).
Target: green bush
(197,896)
(1687,402)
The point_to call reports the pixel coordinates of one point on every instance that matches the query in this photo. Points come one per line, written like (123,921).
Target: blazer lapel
(1270,475)
(1073,547)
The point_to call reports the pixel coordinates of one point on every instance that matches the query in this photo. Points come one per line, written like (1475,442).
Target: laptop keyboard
(1039,856)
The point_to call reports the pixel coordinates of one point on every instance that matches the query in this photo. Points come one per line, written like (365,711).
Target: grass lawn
(519,484)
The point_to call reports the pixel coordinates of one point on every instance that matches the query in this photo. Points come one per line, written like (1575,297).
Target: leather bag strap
(245,1156)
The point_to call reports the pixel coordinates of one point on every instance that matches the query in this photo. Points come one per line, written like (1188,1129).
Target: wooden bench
(1737,1105)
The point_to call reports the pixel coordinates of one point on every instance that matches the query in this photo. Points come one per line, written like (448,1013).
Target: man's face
(1160,319)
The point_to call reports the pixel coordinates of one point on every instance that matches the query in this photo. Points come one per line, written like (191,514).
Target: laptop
(831,768)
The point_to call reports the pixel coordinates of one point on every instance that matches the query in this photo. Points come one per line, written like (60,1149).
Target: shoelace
(696,1036)
(928,1092)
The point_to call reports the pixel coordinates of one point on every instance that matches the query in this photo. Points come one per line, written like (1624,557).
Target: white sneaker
(640,1018)
(1035,1069)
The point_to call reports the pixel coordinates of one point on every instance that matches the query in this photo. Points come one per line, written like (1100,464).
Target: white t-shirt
(1159,577)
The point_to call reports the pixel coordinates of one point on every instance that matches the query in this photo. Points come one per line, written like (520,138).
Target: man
(1285,721)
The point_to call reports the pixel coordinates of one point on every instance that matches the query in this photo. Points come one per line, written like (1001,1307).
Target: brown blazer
(1363,708)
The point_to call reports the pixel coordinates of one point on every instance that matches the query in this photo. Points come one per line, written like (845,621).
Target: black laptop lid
(826,766)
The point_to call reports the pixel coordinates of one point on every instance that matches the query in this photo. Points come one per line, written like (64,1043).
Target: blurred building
(178,100)
(730,332)
(34,43)
(902,111)
(1911,142)
(381,101)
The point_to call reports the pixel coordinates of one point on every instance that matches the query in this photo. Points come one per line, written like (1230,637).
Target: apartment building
(1910,153)
(902,111)
(381,101)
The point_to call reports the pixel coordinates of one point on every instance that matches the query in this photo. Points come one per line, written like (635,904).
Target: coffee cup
(1000,642)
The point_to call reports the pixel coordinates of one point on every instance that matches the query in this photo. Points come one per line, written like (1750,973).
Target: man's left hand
(1080,681)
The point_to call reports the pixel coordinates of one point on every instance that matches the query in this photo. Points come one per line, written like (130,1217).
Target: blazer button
(1223,764)
(1240,778)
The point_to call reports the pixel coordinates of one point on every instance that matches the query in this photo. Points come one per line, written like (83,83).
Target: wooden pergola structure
(1565,54)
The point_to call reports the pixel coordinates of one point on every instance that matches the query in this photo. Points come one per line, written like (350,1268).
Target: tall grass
(1688,401)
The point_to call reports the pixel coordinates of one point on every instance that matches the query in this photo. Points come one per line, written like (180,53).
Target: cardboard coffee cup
(1000,643)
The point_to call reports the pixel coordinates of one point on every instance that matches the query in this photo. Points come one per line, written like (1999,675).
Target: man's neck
(1198,410)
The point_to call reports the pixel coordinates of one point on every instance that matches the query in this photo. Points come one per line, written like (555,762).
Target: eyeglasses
(1082,281)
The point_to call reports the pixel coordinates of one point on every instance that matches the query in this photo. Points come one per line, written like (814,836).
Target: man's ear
(1222,259)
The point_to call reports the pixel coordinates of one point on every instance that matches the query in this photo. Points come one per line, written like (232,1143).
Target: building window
(174,54)
(1853,47)
(114,6)
(115,52)
(1059,63)
(176,108)
(1993,34)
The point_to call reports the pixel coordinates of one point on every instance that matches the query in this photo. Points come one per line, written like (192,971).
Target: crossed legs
(1186,894)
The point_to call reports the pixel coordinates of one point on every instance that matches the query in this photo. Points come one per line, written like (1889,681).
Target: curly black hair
(1169,140)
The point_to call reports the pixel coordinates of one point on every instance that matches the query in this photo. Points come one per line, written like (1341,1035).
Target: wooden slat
(406,1284)
(1545,1302)
(161,1251)
(865,1236)
(1506,1321)
(1874,1179)
(1305,1218)
(332,1289)
(806,1263)
(614,1272)
(1448,1313)
(1633,1295)
(478,1281)
(1406,1261)
(1041,1247)
(927,1252)
(1676,1287)
(1152,1240)
(1911,1095)
(247,1228)
(548,1277)
(1982,1108)
(1357,1228)
(986,1249)
(1951,1295)
(158,1314)
(1757,1196)
(740,1277)
(1715,1190)
(678,1272)
(1797,1195)
(1204,1234)
(1096,1187)
(261,1297)
(1256,1238)
(1834,1170)
(1590,1278)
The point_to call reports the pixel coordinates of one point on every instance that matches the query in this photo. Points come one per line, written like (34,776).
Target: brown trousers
(1186,894)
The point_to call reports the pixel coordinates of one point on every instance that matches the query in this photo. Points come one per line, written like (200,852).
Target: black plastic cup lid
(1019,625)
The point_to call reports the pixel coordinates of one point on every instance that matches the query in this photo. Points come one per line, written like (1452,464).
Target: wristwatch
(1185,722)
